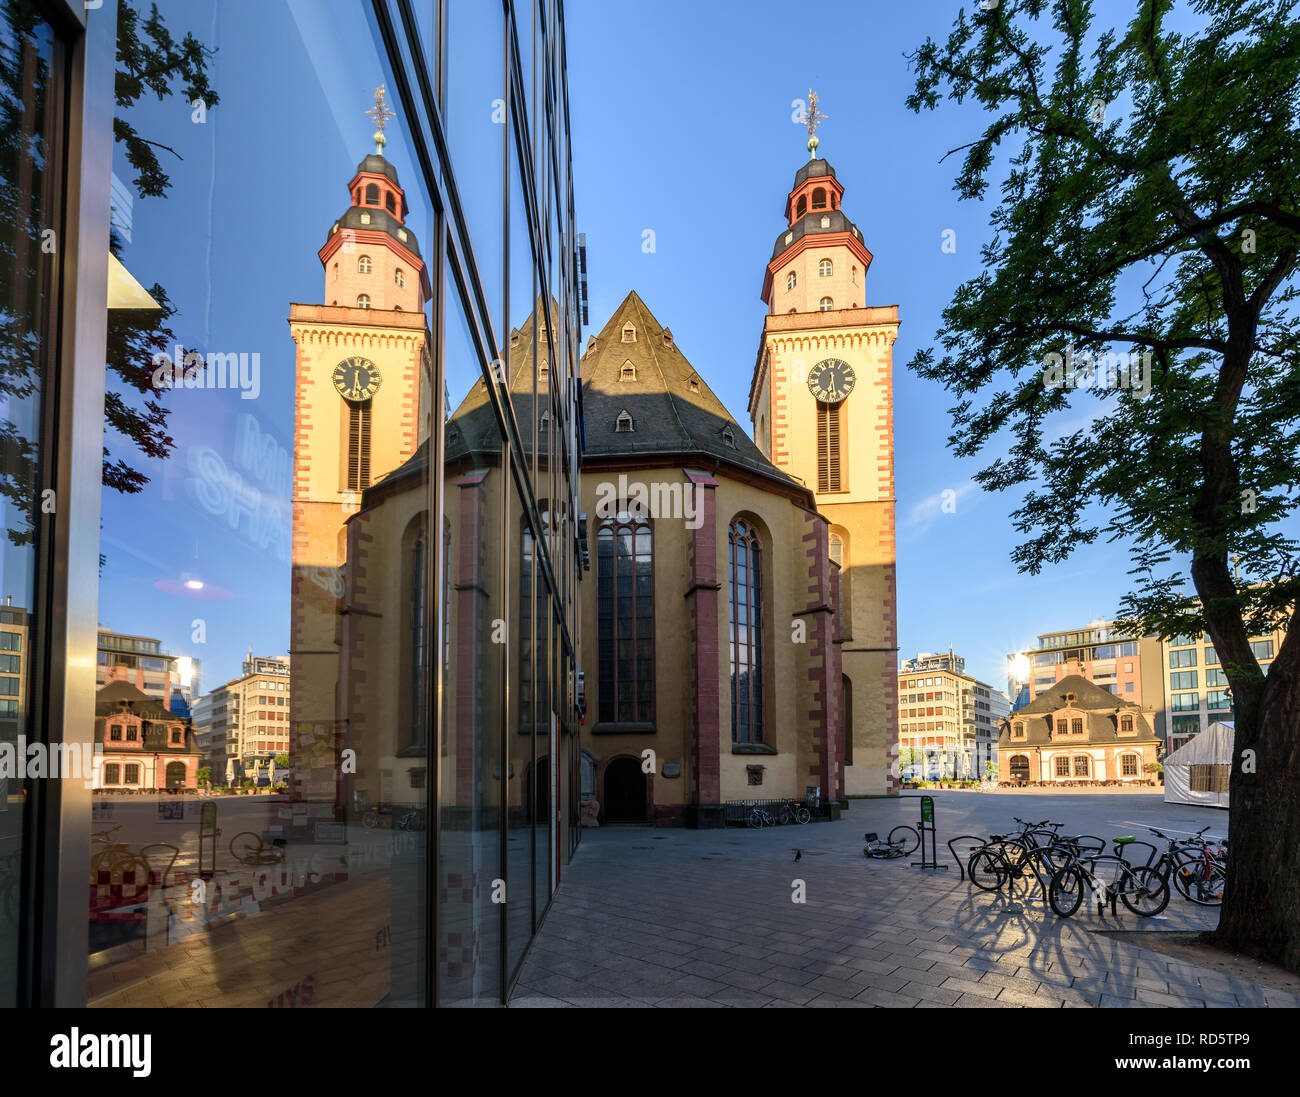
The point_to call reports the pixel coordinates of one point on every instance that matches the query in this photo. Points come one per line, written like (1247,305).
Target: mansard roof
(1099,708)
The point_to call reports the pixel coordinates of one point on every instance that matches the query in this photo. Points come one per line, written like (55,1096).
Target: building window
(825,268)
(398,277)
(1263,649)
(132,735)
(746,634)
(693,383)
(826,304)
(628,372)
(1215,678)
(1017,730)
(729,437)
(1182,679)
(1019,767)
(1211,657)
(629,333)
(112,773)
(1076,727)
(1184,658)
(791,280)
(1081,765)
(855,276)
(389,203)
(625,619)
(131,774)
(115,733)
(363,265)
(363,301)
(1126,723)
(801,207)
(372,194)
(1216,701)
(819,198)
(829,469)
(1062,766)
(837,548)
(1186,702)
(358,446)
(624,421)
(178,737)
(1128,765)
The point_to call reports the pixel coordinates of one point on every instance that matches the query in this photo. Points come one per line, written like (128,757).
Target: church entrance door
(624,798)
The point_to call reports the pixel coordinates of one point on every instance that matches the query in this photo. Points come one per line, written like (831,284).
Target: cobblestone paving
(681,918)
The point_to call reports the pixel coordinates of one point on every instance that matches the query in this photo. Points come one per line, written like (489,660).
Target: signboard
(927,809)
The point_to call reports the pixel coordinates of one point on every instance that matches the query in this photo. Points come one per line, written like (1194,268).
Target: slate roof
(674,412)
(1099,706)
(157,719)
(380,221)
(811,223)
(815,167)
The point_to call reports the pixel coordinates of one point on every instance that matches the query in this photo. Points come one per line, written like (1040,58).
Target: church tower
(361,409)
(821,404)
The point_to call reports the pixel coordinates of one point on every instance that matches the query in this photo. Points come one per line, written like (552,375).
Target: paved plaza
(684,918)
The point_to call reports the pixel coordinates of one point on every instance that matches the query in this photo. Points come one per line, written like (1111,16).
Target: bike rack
(927,826)
(961,865)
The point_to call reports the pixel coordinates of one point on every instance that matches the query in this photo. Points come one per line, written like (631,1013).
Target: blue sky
(682,124)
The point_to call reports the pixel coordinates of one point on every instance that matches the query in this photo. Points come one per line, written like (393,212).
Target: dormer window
(1017,730)
(1070,698)
(826,222)
(398,277)
(543,368)
(130,735)
(401,235)
(1126,723)
(624,422)
(591,345)
(178,737)
(545,421)
(668,337)
(115,733)
(791,280)
(363,301)
(628,372)
(825,268)
(365,218)
(363,265)
(515,337)
(629,333)
(693,383)
(729,437)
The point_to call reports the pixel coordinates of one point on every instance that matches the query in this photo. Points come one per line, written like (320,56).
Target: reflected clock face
(357,378)
(831,380)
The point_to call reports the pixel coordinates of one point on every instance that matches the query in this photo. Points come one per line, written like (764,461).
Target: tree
(1148,207)
(282,761)
(203,775)
(148,60)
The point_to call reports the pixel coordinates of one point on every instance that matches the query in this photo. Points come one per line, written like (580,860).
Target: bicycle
(117,858)
(760,817)
(249,849)
(1004,857)
(1195,870)
(901,841)
(1108,876)
(794,812)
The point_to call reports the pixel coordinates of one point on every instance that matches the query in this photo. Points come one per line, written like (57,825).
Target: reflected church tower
(361,409)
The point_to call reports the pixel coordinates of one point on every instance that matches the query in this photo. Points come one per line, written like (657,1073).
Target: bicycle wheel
(370,820)
(1065,892)
(1199,884)
(787,816)
(245,847)
(1144,891)
(802,814)
(986,870)
(755,819)
(906,838)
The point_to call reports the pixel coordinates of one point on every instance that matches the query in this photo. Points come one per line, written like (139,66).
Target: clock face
(357,378)
(831,380)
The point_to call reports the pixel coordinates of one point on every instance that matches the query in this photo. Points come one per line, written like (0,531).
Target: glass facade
(339,473)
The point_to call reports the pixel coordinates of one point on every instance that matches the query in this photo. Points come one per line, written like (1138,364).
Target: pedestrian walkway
(682,918)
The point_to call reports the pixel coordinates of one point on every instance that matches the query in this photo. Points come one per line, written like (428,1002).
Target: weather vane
(381,114)
(815,119)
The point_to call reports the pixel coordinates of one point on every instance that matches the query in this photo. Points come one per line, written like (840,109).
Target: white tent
(1198,771)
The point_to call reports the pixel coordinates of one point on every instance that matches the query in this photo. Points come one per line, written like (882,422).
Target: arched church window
(372,194)
(826,304)
(837,548)
(801,207)
(624,421)
(819,198)
(389,203)
(398,277)
(363,264)
(825,268)
(625,618)
(791,280)
(363,301)
(745,559)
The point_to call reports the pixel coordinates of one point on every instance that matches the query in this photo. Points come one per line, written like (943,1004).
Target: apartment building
(171,680)
(948,721)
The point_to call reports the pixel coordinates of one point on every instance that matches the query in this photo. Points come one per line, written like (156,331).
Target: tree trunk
(1261,905)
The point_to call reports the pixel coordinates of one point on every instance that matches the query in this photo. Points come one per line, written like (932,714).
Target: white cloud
(924,513)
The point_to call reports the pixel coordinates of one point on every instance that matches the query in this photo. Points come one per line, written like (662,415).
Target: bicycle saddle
(1124,841)
(871,836)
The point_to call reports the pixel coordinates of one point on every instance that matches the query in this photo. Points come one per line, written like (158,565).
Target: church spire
(815,119)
